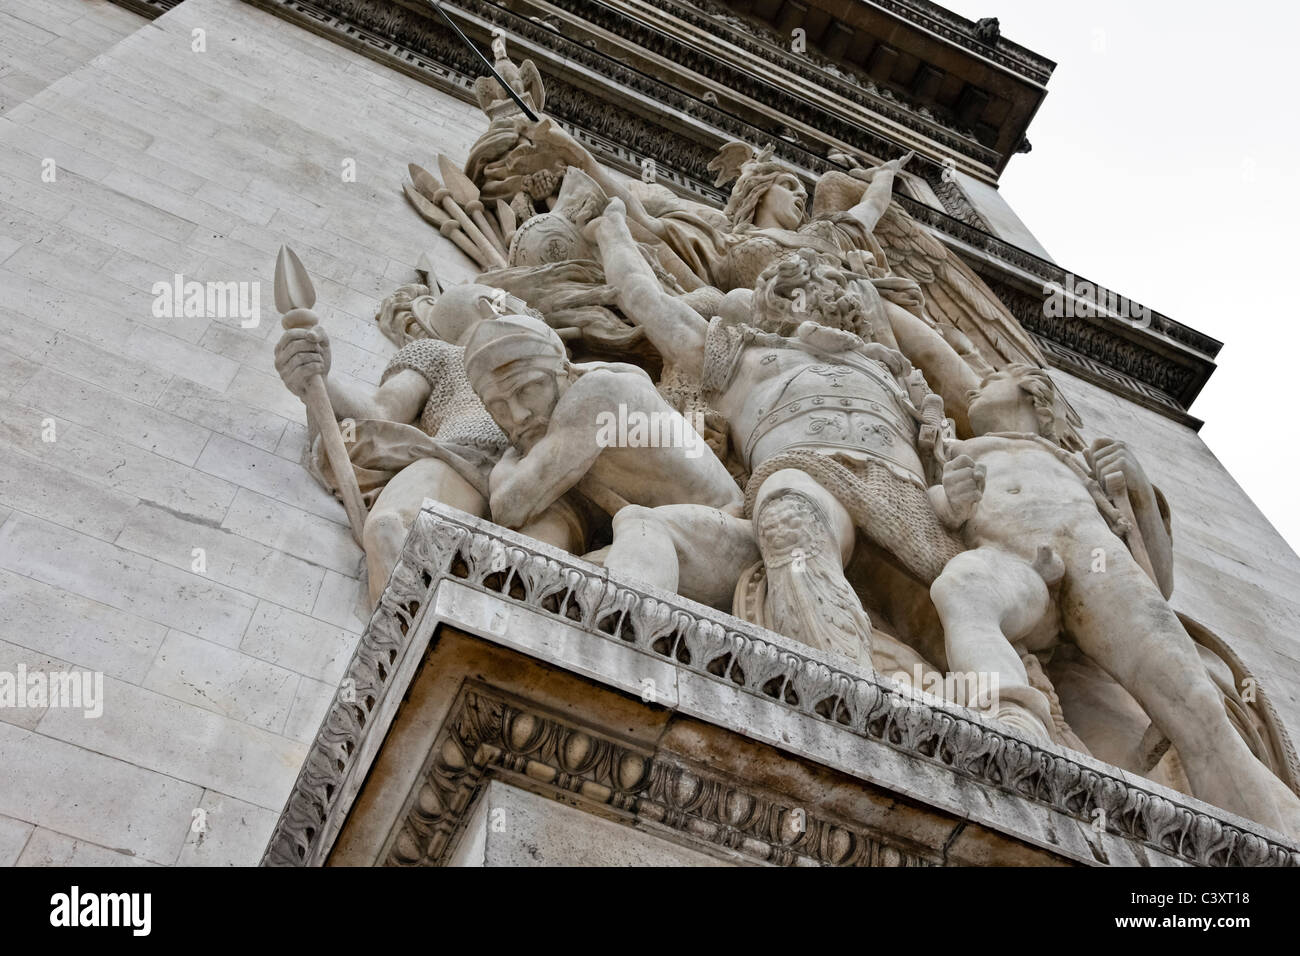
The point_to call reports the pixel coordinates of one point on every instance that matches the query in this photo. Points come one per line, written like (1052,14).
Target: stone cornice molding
(961,32)
(475,574)
(855,88)
(490,734)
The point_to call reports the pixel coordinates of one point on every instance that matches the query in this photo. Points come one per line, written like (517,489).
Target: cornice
(152,9)
(489,734)
(449,549)
(845,80)
(962,32)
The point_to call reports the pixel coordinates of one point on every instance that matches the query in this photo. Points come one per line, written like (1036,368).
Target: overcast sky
(1165,166)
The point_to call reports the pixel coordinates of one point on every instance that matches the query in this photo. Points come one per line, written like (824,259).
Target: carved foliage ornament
(720,648)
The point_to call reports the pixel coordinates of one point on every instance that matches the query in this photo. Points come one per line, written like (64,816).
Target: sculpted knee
(383,529)
(965,576)
(789,521)
(632,516)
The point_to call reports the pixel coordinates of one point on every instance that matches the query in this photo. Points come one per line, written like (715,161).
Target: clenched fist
(301,354)
(1109,456)
(963,485)
(609,222)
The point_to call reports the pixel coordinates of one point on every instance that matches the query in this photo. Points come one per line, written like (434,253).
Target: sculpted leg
(559,525)
(987,601)
(1119,618)
(694,550)
(806,537)
(397,506)
(643,549)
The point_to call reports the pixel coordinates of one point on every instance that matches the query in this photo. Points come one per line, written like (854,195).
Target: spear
(466,195)
(447,198)
(446,225)
(294,297)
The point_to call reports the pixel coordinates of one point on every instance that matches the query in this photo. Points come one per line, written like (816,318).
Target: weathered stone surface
(138,400)
(95,798)
(47,848)
(228,832)
(512,827)
(174,439)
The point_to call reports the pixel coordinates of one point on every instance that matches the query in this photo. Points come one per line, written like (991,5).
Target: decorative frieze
(445,545)
(488,733)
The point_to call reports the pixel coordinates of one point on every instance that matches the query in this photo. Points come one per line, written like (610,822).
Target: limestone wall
(173,434)
(1233,572)
(44,40)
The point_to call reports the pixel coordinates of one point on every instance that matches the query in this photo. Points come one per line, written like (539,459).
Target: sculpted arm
(945,370)
(1108,456)
(302,353)
(962,488)
(673,327)
(523,486)
(879,194)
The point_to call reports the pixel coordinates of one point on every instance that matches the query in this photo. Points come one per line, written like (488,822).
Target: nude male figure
(557,417)
(1033,518)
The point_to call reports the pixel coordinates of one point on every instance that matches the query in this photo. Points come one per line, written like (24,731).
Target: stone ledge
(519,593)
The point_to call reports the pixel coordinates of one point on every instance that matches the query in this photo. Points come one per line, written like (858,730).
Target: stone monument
(879,488)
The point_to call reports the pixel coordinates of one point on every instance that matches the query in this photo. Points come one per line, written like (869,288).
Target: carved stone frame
(517,592)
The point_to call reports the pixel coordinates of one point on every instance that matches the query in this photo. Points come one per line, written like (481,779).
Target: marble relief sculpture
(864,450)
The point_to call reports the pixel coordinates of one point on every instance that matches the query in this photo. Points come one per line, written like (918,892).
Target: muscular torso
(786,399)
(1030,497)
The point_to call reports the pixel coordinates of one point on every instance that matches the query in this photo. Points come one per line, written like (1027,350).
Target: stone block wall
(175,434)
(44,40)
(129,441)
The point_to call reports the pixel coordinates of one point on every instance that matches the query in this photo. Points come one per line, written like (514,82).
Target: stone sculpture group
(869,454)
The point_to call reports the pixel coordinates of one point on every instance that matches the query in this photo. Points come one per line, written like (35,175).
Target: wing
(729,160)
(954,294)
(531,81)
(973,320)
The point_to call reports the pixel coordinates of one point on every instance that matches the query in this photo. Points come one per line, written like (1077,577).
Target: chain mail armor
(453,413)
(895,514)
(893,511)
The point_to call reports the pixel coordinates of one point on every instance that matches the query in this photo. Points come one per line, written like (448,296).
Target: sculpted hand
(893,166)
(543,146)
(1108,456)
(609,223)
(892,359)
(301,354)
(825,339)
(963,484)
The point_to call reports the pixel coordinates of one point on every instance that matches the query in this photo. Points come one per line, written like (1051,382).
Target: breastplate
(835,408)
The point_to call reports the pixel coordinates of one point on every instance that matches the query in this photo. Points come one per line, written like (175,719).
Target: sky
(1166,165)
